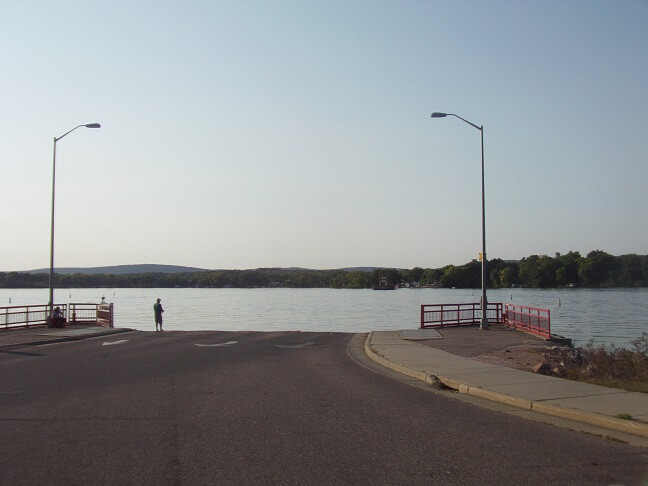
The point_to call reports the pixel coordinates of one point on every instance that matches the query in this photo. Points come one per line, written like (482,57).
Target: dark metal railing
(442,315)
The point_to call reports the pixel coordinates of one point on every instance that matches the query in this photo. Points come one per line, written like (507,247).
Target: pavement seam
(592,418)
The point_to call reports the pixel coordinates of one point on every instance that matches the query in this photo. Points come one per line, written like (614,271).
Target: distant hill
(154,268)
(300,269)
(361,269)
(121,269)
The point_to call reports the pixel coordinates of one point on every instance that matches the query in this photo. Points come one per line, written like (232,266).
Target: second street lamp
(51,270)
(484,301)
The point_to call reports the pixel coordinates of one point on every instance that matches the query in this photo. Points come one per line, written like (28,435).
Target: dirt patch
(537,358)
(616,368)
(470,341)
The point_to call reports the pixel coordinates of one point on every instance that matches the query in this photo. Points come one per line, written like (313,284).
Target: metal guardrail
(442,315)
(82,313)
(26,315)
(37,315)
(530,319)
(105,315)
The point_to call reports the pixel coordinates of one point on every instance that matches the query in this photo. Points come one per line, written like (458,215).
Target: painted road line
(293,346)
(215,345)
(106,343)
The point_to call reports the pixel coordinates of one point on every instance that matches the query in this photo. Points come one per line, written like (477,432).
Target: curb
(63,339)
(591,418)
(420,375)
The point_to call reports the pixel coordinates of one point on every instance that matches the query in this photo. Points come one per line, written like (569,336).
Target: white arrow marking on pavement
(114,342)
(309,343)
(213,345)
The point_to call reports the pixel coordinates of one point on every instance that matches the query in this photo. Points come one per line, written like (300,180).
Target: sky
(246,134)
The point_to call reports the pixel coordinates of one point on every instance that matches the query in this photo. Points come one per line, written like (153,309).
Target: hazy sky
(243,134)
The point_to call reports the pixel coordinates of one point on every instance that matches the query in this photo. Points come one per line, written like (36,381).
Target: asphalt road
(265,408)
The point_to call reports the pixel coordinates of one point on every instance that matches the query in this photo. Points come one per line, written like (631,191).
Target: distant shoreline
(597,269)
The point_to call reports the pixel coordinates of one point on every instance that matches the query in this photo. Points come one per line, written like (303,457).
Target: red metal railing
(83,313)
(529,319)
(525,318)
(36,315)
(442,315)
(105,315)
(100,314)
(26,315)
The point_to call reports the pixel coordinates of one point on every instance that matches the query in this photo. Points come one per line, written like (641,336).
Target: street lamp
(484,302)
(51,271)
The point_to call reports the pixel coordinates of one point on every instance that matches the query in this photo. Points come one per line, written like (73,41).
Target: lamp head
(92,125)
(439,115)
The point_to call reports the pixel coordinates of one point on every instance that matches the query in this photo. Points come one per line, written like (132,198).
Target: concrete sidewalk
(582,402)
(34,336)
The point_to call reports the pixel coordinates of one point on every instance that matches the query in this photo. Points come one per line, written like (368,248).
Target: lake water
(610,316)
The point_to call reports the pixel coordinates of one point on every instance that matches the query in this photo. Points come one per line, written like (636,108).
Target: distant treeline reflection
(597,269)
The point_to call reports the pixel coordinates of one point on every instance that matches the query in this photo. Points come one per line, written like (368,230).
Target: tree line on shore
(596,270)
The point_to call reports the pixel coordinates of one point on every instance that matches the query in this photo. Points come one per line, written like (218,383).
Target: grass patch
(629,385)
(624,416)
(613,367)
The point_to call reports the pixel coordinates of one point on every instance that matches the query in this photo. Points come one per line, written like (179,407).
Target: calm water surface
(610,316)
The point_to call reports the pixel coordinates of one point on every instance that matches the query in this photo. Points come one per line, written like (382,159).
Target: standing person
(157,308)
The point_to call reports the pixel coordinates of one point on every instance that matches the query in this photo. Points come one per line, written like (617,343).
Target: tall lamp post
(484,301)
(51,271)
